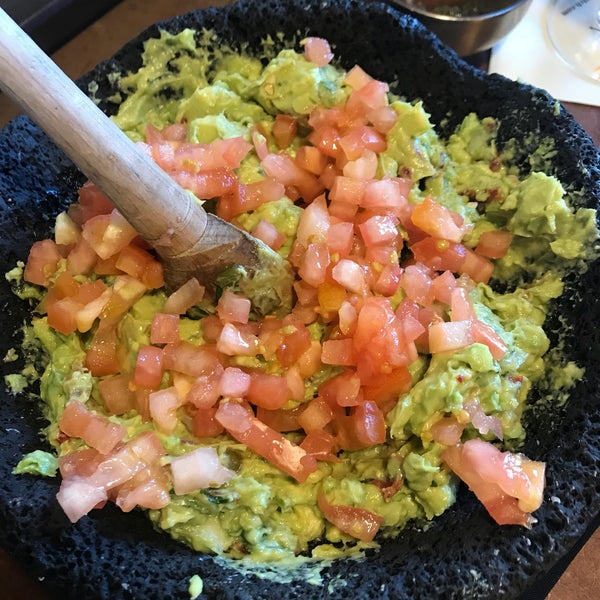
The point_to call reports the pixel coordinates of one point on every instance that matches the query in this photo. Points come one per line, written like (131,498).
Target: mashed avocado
(262,512)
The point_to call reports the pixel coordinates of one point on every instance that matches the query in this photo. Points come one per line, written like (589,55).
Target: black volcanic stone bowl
(463,554)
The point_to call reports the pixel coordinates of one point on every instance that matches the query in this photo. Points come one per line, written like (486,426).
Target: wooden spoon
(189,241)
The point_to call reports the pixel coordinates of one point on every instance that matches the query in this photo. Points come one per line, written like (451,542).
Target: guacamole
(260,510)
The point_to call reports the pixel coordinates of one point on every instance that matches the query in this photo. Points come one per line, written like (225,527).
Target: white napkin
(526,54)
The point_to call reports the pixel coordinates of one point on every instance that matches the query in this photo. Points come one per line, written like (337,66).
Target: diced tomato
(314,223)
(108,234)
(460,305)
(446,336)
(314,264)
(281,419)
(386,194)
(509,485)
(139,263)
(339,352)
(191,359)
(383,118)
(447,431)
(284,129)
(443,286)
(233,341)
(436,220)
(116,394)
(42,262)
(349,274)
(164,328)
(477,267)
(348,190)
(266,442)
(90,290)
(101,358)
(485,334)
(373,94)
(87,315)
(82,463)
(62,315)
(184,297)
(311,159)
(205,424)
(283,169)
(163,408)
(198,469)
(149,367)
(295,341)
(206,184)
(379,339)
(234,382)
(379,229)
(320,444)
(205,390)
(233,308)
(96,431)
(268,391)
(315,415)
(269,234)
(79,493)
(385,390)
(309,361)
(92,202)
(494,244)
(357,522)
(440,255)
(343,389)
(357,78)
(417,283)
(388,281)
(81,258)
(368,423)
(77,497)
(317,51)
(211,327)
(147,489)
(66,231)
(362,138)
(326,138)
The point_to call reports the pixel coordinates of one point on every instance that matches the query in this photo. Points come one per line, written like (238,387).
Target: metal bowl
(468,26)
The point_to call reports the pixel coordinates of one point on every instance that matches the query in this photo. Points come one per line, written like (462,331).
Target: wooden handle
(159,209)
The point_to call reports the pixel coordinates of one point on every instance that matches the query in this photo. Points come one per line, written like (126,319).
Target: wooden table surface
(101,40)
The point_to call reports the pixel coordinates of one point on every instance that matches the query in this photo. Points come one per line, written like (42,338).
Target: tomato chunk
(268,443)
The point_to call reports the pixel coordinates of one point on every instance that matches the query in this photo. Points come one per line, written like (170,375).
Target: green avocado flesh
(263,514)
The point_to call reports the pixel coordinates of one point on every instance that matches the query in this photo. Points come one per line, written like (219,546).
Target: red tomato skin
(357,522)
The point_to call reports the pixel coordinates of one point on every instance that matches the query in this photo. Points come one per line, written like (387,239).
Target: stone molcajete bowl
(462,554)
